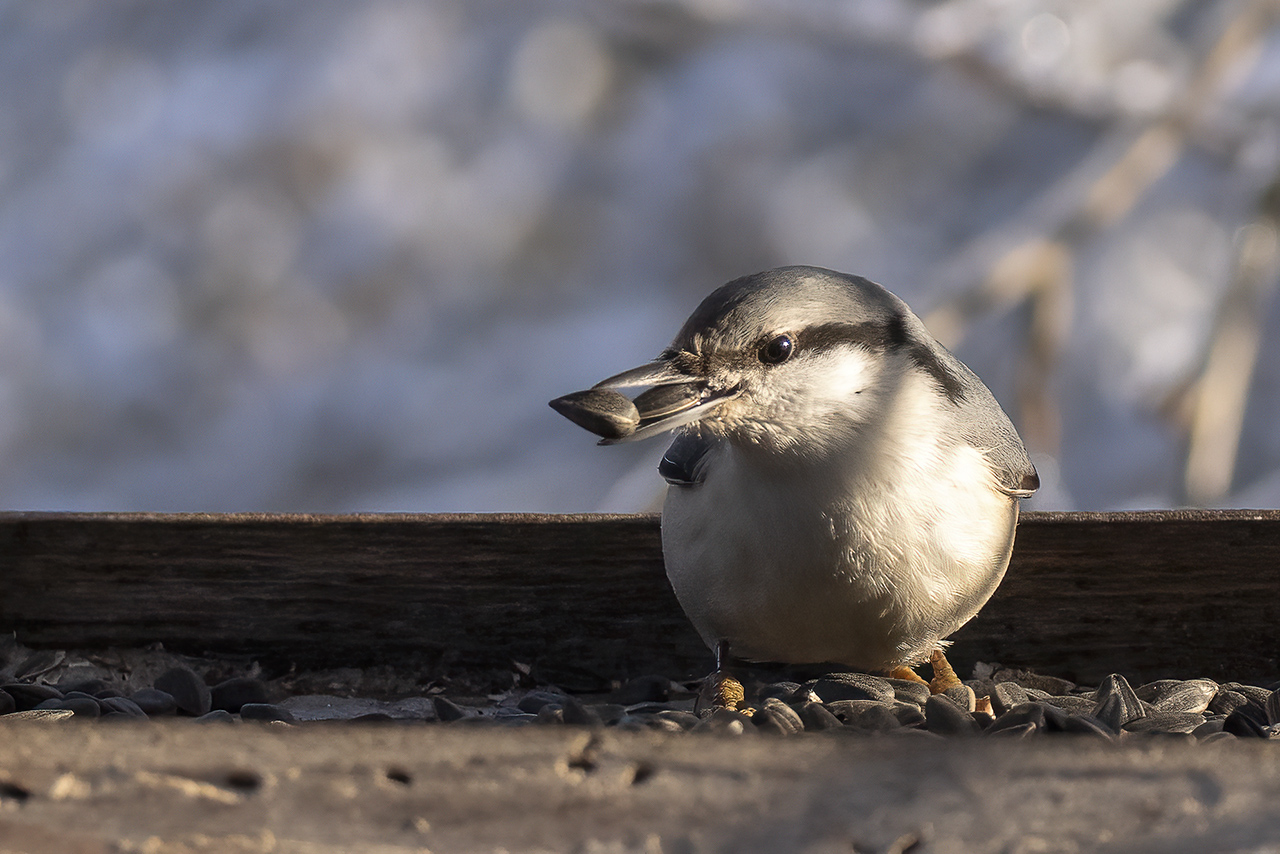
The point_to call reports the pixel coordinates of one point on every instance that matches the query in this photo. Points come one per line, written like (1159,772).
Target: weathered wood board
(1146,594)
(183,788)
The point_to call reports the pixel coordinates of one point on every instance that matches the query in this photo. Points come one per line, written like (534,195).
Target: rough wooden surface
(567,591)
(182,788)
(1149,595)
(1153,595)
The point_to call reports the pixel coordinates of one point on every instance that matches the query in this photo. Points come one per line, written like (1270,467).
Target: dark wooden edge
(12,516)
(1032,517)
(1148,594)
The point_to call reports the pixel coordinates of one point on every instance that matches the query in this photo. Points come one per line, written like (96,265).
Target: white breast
(867,560)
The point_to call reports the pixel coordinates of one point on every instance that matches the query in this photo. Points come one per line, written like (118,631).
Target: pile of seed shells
(1000,703)
(997,702)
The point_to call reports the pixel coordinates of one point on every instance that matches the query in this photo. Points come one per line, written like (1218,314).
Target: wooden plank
(568,592)
(1181,593)
(1149,595)
(168,786)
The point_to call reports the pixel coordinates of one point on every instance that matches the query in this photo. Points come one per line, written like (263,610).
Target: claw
(944,678)
(905,672)
(720,691)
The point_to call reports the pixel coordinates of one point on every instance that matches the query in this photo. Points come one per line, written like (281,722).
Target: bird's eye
(777,350)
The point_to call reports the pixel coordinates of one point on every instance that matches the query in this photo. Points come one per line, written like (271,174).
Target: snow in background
(333,256)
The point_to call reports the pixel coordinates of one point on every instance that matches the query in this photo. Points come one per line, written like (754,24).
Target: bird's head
(793,359)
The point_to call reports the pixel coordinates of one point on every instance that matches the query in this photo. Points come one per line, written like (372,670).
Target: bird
(841,488)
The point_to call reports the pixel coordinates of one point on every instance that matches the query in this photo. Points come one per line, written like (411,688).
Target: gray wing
(985,426)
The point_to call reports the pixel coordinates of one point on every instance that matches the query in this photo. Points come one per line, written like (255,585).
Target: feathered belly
(783,575)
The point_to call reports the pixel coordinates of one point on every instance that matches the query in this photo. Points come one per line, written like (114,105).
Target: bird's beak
(672,399)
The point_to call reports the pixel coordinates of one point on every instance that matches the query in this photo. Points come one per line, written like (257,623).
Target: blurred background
(334,256)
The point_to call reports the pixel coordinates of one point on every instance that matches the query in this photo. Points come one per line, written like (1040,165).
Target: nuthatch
(842,488)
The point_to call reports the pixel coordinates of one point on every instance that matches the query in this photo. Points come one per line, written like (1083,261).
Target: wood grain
(1184,594)
(1150,595)
(168,786)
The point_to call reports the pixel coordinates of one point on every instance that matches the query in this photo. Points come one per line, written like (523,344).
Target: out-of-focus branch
(1103,189)
(1098,193)
(904,25)
(1221,394)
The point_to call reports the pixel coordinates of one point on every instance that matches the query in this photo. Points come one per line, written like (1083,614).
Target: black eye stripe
(873,336)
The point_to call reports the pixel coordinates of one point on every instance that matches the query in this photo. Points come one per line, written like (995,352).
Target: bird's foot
(720,691)
(905,672)
(944,678)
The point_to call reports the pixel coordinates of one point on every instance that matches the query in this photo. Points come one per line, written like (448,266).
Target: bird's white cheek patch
(833,380)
